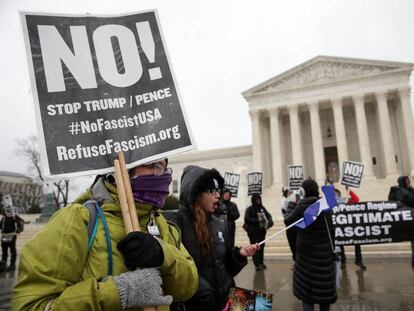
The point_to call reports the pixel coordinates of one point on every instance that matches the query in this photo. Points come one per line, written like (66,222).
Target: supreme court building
(318,114)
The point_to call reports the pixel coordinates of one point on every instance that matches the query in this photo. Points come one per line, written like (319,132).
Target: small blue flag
(327,203)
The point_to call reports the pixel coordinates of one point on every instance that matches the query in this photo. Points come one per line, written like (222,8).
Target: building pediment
(325,69)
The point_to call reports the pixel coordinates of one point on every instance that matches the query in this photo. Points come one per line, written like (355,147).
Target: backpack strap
(92,224)
(96,212)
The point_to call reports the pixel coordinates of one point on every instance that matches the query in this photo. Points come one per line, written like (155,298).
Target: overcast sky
(218,49)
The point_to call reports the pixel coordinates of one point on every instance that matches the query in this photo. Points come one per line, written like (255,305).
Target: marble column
(318,154)
(295,136)
(407,113)
(256,141)
(341,144)
(363,137)
(275,146)
(388,149)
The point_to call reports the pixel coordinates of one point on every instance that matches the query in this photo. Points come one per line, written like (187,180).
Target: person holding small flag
(314,270)
(206,238)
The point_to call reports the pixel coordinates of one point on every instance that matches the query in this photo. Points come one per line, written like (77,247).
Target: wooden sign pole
(126,200)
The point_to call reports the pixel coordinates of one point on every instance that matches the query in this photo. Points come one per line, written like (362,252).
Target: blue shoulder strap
(95,211)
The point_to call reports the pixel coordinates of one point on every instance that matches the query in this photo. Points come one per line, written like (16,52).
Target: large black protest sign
(254,183)
(8,205)
(373,222)
(295,176)
(102,85)
(352,173)
(231,182)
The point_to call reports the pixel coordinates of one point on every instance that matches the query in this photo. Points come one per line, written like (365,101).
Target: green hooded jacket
(57,273)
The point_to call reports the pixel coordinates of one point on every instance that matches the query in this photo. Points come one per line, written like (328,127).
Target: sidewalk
(386,285)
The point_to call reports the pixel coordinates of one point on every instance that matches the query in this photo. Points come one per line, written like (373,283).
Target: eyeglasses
(214,191)
(159,169)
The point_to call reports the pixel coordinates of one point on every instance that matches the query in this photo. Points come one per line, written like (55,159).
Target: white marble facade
(320,113)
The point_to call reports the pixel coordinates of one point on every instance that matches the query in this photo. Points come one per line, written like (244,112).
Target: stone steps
(276,248)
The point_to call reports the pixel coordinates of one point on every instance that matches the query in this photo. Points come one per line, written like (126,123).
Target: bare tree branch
(27,149)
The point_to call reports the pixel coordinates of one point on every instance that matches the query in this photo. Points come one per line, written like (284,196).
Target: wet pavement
(7,281)
(386,285)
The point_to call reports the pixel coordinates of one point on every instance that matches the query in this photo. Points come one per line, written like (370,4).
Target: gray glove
(141,288)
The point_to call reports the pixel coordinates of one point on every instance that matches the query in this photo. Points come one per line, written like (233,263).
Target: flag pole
(329,234)
(280,231)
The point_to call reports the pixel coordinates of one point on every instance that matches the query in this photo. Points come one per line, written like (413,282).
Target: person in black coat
(230,212)
(314,270)
(256,222)
(206,238)
(291,233)
(403,193)
(9,226)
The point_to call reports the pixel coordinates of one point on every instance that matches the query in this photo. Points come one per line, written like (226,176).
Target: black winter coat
(403,194)
(231,213)
(215,272)
(314,272)
(9,224)
(252,224)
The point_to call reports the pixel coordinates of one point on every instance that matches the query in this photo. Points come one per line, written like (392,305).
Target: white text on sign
(79,62)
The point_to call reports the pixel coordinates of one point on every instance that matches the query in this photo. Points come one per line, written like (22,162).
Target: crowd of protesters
(188,265)
(63,267)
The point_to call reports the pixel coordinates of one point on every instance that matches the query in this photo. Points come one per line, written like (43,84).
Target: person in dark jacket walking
(9,230)
(314,271)
(206,238)
(405,194)
(231,213)
(256,222)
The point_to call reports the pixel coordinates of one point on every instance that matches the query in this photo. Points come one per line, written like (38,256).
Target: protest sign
(254,183)
(241,299)
(295,176)
(8,205)
(372,223)
(102,85)
(352,173)
(231,182)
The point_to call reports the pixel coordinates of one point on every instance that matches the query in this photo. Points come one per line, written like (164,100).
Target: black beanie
(311,188)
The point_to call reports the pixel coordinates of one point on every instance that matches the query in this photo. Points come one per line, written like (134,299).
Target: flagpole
(280,231)
(329,234)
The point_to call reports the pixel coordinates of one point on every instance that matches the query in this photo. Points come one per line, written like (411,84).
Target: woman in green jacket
(58,271)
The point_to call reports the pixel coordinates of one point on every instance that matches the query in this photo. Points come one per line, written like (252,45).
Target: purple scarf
(151,189)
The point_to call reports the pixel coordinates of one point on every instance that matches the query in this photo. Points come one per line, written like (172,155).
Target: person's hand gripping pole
(128,208)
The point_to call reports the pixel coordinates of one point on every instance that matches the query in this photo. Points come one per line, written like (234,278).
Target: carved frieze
(324,71)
